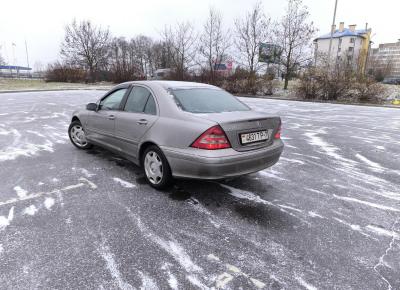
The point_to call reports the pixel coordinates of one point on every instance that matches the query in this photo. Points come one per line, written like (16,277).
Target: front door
(135,119)
(101,123)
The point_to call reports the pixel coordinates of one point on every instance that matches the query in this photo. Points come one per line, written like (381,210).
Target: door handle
(142,122)
(111,117)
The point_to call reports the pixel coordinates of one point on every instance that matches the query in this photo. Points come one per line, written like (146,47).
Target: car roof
(173,84)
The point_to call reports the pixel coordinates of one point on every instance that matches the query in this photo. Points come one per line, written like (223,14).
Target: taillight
(278,133)
(213,138)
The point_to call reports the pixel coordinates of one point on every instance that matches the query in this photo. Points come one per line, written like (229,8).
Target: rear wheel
(77,135)
(156,168)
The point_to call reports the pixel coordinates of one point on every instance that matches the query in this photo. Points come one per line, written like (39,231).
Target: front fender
(82,115)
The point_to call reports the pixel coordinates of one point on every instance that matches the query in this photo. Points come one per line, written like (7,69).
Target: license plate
(254,137)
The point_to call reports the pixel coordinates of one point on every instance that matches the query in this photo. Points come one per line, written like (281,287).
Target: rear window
(202,100)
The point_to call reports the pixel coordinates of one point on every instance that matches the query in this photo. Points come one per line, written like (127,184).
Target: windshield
(204,100)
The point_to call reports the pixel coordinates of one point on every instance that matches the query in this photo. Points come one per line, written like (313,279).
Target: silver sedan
(179,129)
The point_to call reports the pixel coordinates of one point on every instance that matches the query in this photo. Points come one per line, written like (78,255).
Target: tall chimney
(333,28)
(352,27)
(341,26)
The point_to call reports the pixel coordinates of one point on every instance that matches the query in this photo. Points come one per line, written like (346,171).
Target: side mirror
(91,107)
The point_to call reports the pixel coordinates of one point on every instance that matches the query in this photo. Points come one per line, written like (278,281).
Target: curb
(53,90)
(323,102)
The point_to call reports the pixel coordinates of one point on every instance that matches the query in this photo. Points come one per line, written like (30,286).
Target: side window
(150,107)
(112,101)
(140,100)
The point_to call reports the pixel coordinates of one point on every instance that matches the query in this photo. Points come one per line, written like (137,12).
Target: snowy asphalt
(327,216)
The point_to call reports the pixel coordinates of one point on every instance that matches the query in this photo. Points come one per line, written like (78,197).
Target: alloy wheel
(78,136)
(153,167)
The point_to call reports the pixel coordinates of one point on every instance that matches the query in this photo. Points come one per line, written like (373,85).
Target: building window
(352,40)
(351,49)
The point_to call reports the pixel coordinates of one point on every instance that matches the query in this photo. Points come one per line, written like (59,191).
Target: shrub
(340,81)
(367,90)
(58,72)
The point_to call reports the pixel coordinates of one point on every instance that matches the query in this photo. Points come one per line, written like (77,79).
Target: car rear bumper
(217,164)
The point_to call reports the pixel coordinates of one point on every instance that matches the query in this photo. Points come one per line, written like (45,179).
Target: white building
(348,44)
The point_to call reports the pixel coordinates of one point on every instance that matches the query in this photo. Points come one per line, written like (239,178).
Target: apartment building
(387,58)
(348,44)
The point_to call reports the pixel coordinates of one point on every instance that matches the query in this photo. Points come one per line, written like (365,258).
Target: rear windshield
(203,100)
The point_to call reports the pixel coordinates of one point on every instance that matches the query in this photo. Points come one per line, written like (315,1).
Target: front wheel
(77,135)
(156,168)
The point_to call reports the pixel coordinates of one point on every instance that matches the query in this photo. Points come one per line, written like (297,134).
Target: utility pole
(26,50)
(333,24)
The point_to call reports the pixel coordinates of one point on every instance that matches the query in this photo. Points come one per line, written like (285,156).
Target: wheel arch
(75,118)
(142,148)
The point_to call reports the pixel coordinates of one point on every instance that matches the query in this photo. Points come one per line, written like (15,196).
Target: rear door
(101,123)
(137,116)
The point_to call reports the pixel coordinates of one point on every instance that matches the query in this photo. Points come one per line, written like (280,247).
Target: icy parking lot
(327,216)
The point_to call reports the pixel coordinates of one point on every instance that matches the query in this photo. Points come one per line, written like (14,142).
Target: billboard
(269,53)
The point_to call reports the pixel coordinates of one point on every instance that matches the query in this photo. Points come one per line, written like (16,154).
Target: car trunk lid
(237,123)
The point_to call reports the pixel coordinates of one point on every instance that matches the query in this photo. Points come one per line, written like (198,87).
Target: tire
(76,134)
(156,168)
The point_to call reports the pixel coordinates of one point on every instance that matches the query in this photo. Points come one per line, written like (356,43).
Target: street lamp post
(333,24)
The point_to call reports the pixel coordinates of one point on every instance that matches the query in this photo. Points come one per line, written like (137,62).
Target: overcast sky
(41,22)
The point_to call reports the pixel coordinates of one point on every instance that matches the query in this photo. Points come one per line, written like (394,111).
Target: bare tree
(2,61)
(142,46)
(161,55)
(293,33)
(179,43)
(252,30)
(86,45)
(380,67)
(214,42)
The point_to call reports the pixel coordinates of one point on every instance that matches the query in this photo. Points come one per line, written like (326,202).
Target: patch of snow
(27,150)
(36,133)
(383,232)
(327,148)
(49,202)
(212,257)
(292,160)
(222,280)
(147,282)
(5,221)
(174,249)
(124,183)
(374,166)
(305,284)
(314,214)
(200,208)
(289,207)
(371,204)
(196,282)
(20,192)
(30,210)
(172,281)
(91,184)
(86,173)
(257,283)
(112,267)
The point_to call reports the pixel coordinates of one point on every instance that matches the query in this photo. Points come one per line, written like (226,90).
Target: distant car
(391,81)
(179,129)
